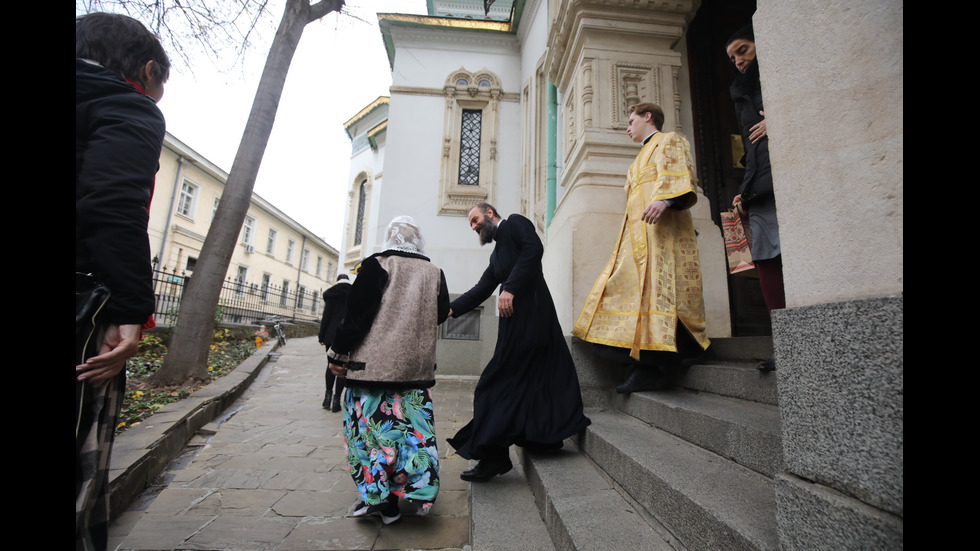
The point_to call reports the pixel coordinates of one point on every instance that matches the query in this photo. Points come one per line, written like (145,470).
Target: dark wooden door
(717,140)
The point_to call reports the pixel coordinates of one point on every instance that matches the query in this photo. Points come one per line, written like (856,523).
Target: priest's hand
(506,304)
(653,211)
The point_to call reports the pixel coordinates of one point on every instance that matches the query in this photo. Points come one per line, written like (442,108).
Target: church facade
(525,106)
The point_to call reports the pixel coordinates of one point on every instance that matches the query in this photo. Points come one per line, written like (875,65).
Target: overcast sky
(339,68)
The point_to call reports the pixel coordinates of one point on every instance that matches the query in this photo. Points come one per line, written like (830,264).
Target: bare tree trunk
(188,354)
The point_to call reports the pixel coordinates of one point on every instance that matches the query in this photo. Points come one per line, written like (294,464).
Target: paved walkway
(273,476)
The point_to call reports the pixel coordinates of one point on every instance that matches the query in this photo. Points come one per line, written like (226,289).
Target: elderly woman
(386,350)
(755,195)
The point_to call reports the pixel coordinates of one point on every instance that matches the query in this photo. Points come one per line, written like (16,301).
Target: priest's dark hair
(484,207)
(121,44)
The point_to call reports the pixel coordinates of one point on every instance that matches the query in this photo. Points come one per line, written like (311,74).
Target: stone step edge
(582,508)
(705,500)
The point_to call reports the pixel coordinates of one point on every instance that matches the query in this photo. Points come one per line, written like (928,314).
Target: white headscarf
(403,234)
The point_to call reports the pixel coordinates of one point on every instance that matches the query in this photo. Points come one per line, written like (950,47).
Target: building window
(304,260)
(214,206)
(240,278)
(469,148)
(270,244)
(319,266)
(359,223)
(264,291)
(300,295)
(290,249)
(315,307)
(248,230)
(191,263)
(463,328)
(284,295)
(187,201)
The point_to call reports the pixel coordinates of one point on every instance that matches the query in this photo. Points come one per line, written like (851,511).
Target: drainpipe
(170,210)
(552,154)
(299,272)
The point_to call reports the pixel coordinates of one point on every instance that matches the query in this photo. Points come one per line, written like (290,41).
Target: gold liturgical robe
(653,279)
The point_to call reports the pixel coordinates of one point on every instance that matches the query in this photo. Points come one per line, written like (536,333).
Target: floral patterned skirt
(391,445)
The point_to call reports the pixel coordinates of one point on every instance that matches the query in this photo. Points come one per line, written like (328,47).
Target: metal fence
(240,301)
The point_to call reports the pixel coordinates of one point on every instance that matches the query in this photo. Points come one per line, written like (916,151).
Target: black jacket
(334,304)
(746,92)
(118,137)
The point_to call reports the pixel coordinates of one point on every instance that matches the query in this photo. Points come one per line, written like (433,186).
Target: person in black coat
(529,392)
(334,305)
(120,71)
(755,195)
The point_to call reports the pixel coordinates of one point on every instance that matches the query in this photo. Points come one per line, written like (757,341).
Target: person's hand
(759,130)
(737,203)
(450,314)
(653,211)
(506,304)
(120,343)
(337,369)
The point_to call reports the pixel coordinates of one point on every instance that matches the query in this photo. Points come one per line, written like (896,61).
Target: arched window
(469,154)
(359,224)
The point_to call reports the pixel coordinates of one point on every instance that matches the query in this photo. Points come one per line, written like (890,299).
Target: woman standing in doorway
(755,195)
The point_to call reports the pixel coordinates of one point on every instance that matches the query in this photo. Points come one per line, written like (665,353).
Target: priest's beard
(487,231)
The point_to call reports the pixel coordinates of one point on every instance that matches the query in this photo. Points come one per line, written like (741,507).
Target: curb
(142,452)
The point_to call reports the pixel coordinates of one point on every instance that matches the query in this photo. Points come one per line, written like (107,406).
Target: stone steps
(684,469)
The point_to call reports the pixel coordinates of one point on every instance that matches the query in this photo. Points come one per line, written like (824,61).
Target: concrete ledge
(745,432)
(738,380)
(581,510)
(809,513)
(840,373)
(142,452)
(704,500)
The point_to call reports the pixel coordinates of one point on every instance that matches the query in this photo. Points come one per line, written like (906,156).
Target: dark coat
(118,137)
(334,304)
(529,393)
(746,92)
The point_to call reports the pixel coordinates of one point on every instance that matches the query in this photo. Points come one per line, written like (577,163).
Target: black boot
(644,378)
(336,403)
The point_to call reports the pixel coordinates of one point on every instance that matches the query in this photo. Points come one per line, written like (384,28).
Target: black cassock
(528,394)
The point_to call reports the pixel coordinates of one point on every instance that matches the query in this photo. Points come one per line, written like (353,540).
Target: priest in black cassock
(528,394)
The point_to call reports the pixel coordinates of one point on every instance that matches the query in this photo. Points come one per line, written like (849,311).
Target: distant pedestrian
(386,349)
(334,305)
(120,71)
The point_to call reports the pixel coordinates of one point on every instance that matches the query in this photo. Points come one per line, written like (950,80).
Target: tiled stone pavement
(273,476)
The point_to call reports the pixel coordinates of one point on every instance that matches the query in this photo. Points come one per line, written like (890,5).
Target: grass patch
(142,401)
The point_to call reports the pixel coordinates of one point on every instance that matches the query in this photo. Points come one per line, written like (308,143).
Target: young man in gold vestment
(647,308)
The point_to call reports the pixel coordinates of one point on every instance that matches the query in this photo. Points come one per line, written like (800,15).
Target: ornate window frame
(353,254)
(464,90)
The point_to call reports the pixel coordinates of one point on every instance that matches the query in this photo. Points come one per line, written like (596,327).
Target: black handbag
(91,296)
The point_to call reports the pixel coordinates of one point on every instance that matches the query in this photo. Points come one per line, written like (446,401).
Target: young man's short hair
(121,44)
(641,109)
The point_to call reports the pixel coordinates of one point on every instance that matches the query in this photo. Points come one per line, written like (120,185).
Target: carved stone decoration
(469,91)
(587,95)
(570,131)
(632,84)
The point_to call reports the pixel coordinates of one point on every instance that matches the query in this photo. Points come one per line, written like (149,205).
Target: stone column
(832,80)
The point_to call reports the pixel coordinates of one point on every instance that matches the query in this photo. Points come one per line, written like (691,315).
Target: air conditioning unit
(249,248)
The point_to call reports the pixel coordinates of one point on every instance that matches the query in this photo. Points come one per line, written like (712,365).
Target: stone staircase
(689,468)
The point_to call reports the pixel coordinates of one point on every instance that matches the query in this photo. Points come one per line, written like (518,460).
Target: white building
(551,84)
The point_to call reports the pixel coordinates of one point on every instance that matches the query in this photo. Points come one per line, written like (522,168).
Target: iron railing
(240,302)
